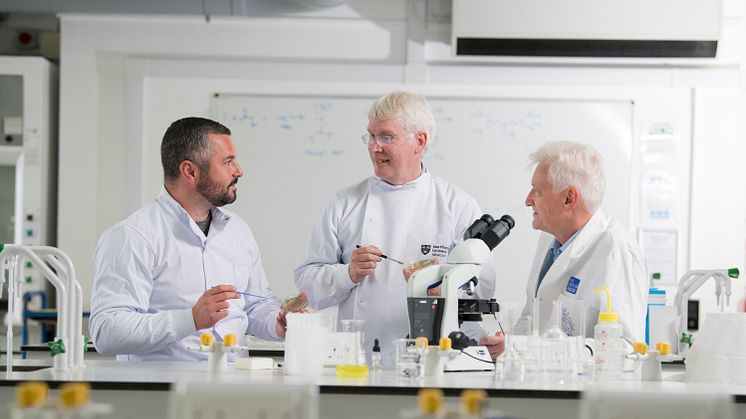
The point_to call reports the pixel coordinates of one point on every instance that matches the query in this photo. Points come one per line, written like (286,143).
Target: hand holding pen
(363,262)
(383,256)
(212,306)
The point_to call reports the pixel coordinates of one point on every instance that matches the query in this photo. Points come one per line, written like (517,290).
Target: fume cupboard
(28,157)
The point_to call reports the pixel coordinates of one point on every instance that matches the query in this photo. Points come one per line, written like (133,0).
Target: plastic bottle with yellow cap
(472,403)
(74,402)
(609,354)
(31,402)
(74,399)
(429,405)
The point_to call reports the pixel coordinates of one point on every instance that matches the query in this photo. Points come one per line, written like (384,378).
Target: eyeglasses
(382,139)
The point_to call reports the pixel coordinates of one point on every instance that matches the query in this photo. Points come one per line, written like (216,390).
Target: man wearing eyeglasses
(402,212)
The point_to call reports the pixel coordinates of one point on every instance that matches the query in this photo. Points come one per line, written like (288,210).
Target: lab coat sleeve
(323,275)
(122,285)
(524,325)
(629,291)
(622,270)
(262,314)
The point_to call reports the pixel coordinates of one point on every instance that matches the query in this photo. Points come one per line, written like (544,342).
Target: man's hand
(416,266)
(409,270)
(434,292)
(212,306)
(281,326)
(363,262)
(495,344)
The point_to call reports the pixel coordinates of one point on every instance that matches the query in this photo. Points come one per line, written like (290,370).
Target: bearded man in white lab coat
(174,269)
(581,248)
(403,212)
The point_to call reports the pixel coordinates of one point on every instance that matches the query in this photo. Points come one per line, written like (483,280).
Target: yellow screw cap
(229,339)
(421,342)
(445,344)
(473,401)
(640,348)
(664,348)
(32,394)
(206,339)
(75,394)
(430,400)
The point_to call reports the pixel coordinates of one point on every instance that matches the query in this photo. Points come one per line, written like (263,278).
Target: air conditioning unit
(587,28)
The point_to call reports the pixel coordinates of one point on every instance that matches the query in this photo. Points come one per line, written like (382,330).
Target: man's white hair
(412,110)
(574,164)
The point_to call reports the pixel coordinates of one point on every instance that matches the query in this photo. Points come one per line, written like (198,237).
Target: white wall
(111,66)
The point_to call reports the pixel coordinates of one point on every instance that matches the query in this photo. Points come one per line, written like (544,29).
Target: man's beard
(215,193)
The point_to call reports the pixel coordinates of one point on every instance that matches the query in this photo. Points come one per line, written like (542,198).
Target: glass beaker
(354,364)
(410,362)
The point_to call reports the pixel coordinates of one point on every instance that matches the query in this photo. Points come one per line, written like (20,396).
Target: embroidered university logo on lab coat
(425,249)
(572,285)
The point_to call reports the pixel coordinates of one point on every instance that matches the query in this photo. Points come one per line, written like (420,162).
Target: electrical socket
(336,349)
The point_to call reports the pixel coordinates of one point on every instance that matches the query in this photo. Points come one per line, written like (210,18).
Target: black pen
(385,257)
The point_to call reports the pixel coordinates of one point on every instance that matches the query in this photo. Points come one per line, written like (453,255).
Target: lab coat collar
(422,179)
(219,217)
(584,238)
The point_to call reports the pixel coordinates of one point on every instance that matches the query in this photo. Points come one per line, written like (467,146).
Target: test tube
(535,316)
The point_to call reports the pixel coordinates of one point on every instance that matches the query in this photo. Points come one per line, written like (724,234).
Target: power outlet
(337,349)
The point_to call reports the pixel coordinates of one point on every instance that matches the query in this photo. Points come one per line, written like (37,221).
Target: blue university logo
(572,285)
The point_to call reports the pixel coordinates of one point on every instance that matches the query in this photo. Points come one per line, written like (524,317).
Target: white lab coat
(153,267)
(422,219)
(603,253)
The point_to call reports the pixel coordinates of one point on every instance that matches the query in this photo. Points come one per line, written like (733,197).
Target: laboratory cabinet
(28,162)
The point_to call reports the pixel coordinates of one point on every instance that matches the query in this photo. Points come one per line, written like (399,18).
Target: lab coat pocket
(573,305)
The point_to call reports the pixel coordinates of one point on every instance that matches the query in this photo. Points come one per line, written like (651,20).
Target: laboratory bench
(42,351)
(141,389)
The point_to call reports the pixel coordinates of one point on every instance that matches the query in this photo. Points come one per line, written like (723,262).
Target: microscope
(441,316)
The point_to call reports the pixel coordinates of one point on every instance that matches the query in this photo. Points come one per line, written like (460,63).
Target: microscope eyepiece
(491,231)
(487,218)
(478,227)
(509,220)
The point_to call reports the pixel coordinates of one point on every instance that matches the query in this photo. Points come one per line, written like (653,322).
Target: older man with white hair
(580,248)
(404,210)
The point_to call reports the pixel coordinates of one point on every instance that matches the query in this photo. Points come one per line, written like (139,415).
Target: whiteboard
(297,151)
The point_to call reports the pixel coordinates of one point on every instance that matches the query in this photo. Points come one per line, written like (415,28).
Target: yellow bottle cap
(430,400)
(75,394)
(640,348)
(473,401)
(608,317)
(31,394)
(421,342)
(664,348)
(445,344)
(229,339)
(206,339)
